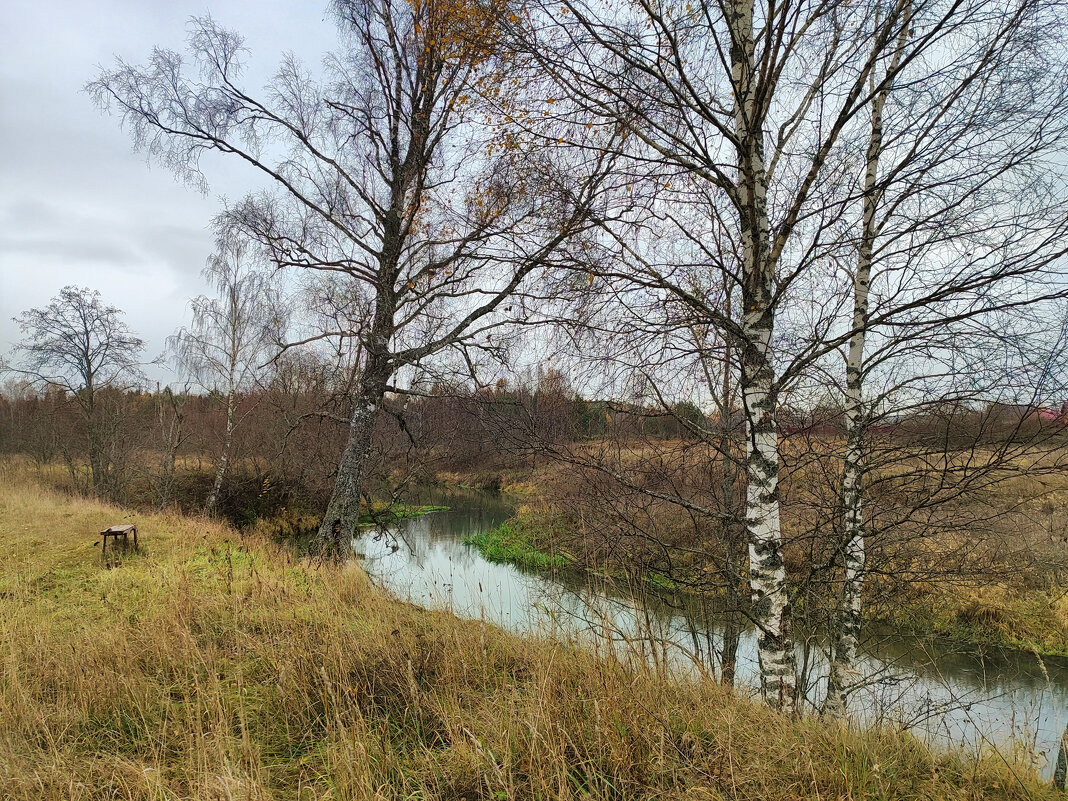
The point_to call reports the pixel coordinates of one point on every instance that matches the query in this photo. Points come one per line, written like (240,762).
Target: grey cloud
(77,204)
(114,253)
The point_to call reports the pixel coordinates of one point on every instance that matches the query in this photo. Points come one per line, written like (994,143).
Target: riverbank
(1030,618)
(288,525)
(214,666)
(996,616)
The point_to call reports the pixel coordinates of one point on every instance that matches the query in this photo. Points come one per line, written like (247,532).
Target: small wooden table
(123,531)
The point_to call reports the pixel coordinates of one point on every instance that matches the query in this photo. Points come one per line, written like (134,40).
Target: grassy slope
(212,668)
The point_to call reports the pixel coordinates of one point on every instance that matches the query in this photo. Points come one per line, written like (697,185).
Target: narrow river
(947,695)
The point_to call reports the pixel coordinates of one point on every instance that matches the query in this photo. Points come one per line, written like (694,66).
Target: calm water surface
(947,696)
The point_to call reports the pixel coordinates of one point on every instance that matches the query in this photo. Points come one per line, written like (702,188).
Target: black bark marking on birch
(1060,773)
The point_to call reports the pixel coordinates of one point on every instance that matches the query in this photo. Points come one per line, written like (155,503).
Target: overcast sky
(77,204)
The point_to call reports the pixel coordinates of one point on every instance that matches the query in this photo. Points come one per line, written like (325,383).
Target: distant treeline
(160,447)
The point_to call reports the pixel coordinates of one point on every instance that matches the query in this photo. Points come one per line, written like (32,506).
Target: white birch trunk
(236,322)
(846,636)
(848,618)
(224,458)
(1060,770)
(770,608)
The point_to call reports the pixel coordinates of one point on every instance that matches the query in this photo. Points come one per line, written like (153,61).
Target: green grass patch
(511,543)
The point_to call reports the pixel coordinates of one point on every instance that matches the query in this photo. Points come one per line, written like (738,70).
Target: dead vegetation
(211,667)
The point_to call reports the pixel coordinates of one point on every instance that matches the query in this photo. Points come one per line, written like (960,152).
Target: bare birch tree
(700,92)
(960,171)
(171,418)
(741,126)
(847,631)
(386,178)
(231,337)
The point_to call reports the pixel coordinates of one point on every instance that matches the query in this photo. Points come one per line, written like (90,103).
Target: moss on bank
(211,666)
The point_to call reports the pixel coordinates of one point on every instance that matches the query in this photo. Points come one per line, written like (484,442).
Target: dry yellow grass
(208,667)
